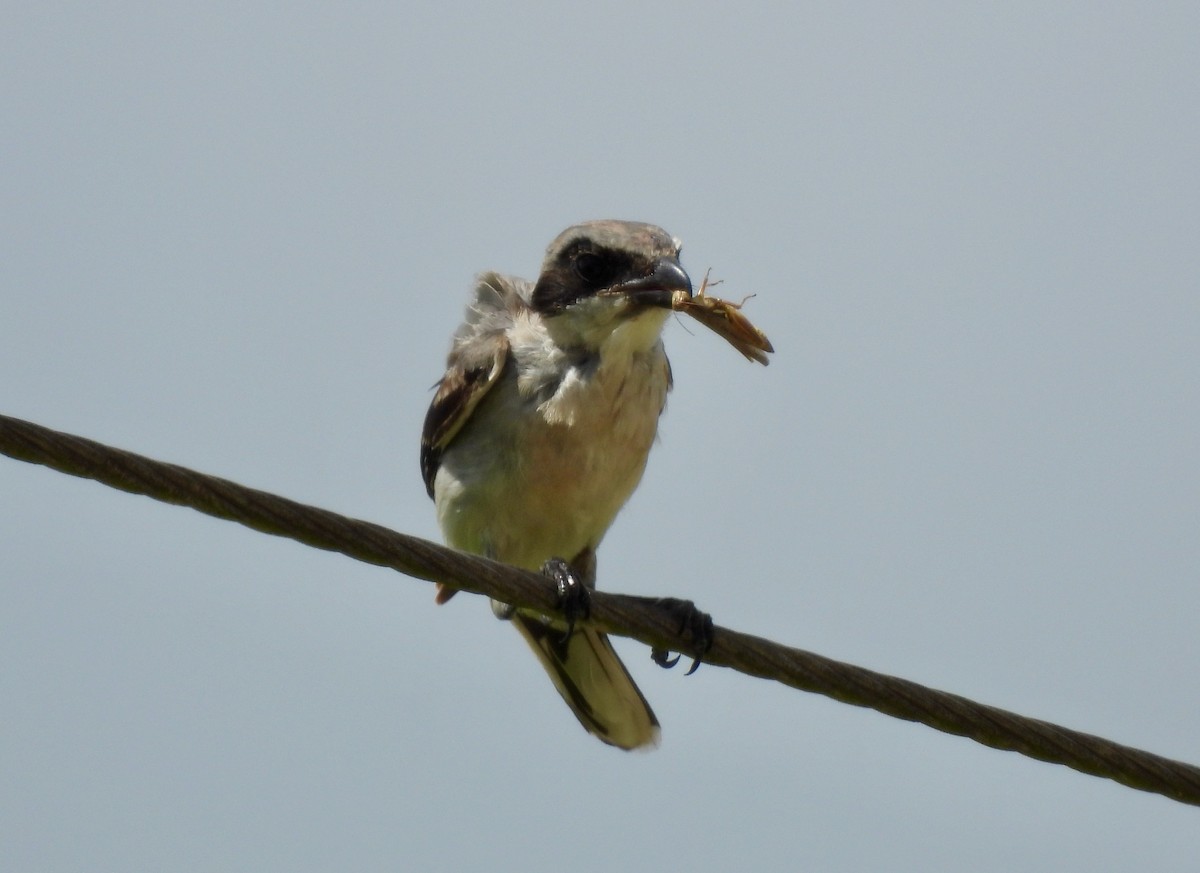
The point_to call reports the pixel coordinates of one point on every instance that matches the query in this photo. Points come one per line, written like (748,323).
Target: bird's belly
(526,487)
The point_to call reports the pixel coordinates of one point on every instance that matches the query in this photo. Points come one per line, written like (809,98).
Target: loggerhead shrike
(539,432)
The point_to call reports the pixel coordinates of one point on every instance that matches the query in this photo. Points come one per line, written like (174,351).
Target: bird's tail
(593,681)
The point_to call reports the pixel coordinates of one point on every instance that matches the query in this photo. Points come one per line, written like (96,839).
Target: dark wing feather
(466,382)
(476,362)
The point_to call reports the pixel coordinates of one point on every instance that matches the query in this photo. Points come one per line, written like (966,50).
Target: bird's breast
(545,464)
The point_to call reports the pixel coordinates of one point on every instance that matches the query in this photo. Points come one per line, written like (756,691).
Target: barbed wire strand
(638,618)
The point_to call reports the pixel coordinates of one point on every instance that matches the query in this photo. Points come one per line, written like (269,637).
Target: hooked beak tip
(659,286)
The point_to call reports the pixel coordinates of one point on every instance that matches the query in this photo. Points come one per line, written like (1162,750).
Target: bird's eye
(594,269)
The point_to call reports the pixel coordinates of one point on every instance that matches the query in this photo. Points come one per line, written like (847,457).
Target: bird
(539,432)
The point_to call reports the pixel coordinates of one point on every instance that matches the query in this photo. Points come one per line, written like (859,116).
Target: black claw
(699,626)
(663,658)
(574,599)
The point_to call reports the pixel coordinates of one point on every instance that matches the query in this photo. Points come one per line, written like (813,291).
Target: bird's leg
(574,580)
(574,596)
(699,626)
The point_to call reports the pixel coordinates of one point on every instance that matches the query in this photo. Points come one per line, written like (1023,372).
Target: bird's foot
(574,598)
(699,626)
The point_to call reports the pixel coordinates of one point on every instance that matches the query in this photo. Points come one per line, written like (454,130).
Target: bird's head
(600,275)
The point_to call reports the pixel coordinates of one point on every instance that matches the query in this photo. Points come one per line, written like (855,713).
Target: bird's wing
(476,363)
(459,392)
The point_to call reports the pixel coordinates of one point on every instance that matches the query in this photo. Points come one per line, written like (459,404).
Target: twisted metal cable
(615,613)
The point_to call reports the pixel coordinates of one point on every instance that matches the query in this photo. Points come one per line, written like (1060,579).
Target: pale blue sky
(239,238)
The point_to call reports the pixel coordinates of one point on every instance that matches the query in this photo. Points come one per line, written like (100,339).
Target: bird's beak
(658,287)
